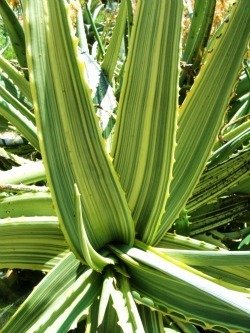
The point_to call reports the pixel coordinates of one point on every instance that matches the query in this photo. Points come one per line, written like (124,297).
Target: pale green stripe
(169,288)
(31,242)
(146,124)
(57,291)
(203,110)
(211,258)
(82,160)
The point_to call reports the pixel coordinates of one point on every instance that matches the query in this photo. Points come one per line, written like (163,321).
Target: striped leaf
(151,272)
(147,113)
(202,112)
(64,294)
(74,152)
(31,243)
(16,34)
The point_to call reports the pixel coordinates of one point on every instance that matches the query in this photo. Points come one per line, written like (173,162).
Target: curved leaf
(82,159)
(16,34)
(167,286)
(57,301)
(202,112)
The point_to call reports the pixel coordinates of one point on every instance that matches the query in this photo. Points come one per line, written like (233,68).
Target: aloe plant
(106,228)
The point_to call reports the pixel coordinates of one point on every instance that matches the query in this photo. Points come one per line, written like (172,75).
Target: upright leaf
(63,102)
(147,112)
(202,112)
(196,41)
(16,34)
(112,54)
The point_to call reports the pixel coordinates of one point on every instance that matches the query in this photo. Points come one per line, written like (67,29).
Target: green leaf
(93,25)
(152,320)
(174,241)
(8,160)
(16,76)
(225,211)
(124,304)
(244,242)
(26,204)
(202,112)
(31,243)
(120,306)
(210,258)
(220,179)
(102,94)
(80,31)
(112,53)
(234,274)
(65,293)
(199,30)
(105,296)
(74,152)
(130,9)
(167,286)
(25,126)
(111,319)
(16,112)
(94,260)
(116,292)
(198,35)
(146,117)
(9,98)
(182,327)
(234,136)
(16,34)
(134,315)
(242,187)
(222,153)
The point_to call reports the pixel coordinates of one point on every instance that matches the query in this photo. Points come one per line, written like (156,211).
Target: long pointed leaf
(83,157)
(8,97)
(96,261)
(220,179)
(203,110)
(67,287)
(112,54)
(168,287)
(16,34)
(147,112)
(152,320)
(197,39)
